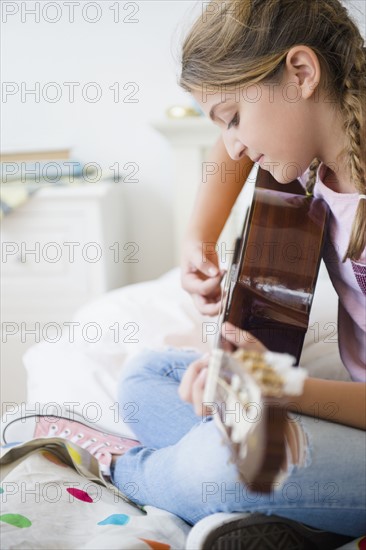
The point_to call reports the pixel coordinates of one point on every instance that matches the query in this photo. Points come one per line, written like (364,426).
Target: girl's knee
(148,363)
(156,362)
(135,369)
(137,364)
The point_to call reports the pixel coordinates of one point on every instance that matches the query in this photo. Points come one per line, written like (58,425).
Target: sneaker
(245,531)
(100,444)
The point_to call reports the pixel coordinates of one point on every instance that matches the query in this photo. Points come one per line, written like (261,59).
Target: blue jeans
(182,465)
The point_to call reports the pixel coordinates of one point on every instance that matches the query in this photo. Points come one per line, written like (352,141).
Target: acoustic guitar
(268,291)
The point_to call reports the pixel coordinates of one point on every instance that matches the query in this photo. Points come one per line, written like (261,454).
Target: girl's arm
(200,274)
(334,400)
(217,195)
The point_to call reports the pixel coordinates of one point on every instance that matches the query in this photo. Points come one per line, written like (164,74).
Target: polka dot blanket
(53,496)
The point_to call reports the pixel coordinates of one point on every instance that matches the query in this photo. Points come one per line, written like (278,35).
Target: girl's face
(271,121)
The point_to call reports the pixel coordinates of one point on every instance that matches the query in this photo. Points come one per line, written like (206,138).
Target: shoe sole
(261,532)
(58,413)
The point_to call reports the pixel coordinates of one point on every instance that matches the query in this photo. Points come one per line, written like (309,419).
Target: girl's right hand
(201,275)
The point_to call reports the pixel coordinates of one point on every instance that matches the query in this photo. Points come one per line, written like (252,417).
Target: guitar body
(268,292)
(272,279)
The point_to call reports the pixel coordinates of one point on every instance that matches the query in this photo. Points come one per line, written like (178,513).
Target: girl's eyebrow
(212,112)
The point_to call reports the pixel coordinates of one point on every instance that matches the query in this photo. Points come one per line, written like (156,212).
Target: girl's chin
(282,176)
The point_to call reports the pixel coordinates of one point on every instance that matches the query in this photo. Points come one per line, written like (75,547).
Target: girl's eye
(234,121)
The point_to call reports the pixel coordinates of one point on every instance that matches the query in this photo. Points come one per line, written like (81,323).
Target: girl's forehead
(210,96)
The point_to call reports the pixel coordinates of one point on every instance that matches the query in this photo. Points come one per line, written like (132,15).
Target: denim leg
(149,400)
(193,477)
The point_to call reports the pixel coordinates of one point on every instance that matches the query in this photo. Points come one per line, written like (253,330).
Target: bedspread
(47,503)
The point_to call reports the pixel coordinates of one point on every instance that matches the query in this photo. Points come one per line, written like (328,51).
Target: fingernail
(212,271)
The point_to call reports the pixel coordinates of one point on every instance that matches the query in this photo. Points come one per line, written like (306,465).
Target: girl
(285,80)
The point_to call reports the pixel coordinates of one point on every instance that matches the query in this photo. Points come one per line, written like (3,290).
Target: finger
(241,338)
(197,283)
(197,392)
(212,298)
(190,375)
(206,308)
(194,283)
(200,261)
(200,407)
(211,286)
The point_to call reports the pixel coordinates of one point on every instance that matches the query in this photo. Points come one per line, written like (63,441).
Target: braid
(354,109)
(313,172)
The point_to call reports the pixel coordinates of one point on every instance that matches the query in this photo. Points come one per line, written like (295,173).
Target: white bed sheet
(84,376)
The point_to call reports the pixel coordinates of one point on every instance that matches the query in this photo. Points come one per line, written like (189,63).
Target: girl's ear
(303,67)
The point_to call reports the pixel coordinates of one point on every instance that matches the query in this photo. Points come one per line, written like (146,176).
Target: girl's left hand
(192,385)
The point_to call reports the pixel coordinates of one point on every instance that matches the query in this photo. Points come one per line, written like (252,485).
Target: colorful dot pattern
(17,520)
(79,494)
(115,519)
(20,521)
(155,545)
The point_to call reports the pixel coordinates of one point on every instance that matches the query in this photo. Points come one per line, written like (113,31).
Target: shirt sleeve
(304,178)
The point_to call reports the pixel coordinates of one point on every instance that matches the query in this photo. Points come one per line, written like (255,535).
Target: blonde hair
(239,42)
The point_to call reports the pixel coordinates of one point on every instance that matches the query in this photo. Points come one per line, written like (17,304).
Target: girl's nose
(234,147)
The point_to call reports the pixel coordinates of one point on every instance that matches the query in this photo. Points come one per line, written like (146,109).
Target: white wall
(105,52)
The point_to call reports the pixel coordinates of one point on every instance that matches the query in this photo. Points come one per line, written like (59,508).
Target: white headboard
(191,139)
